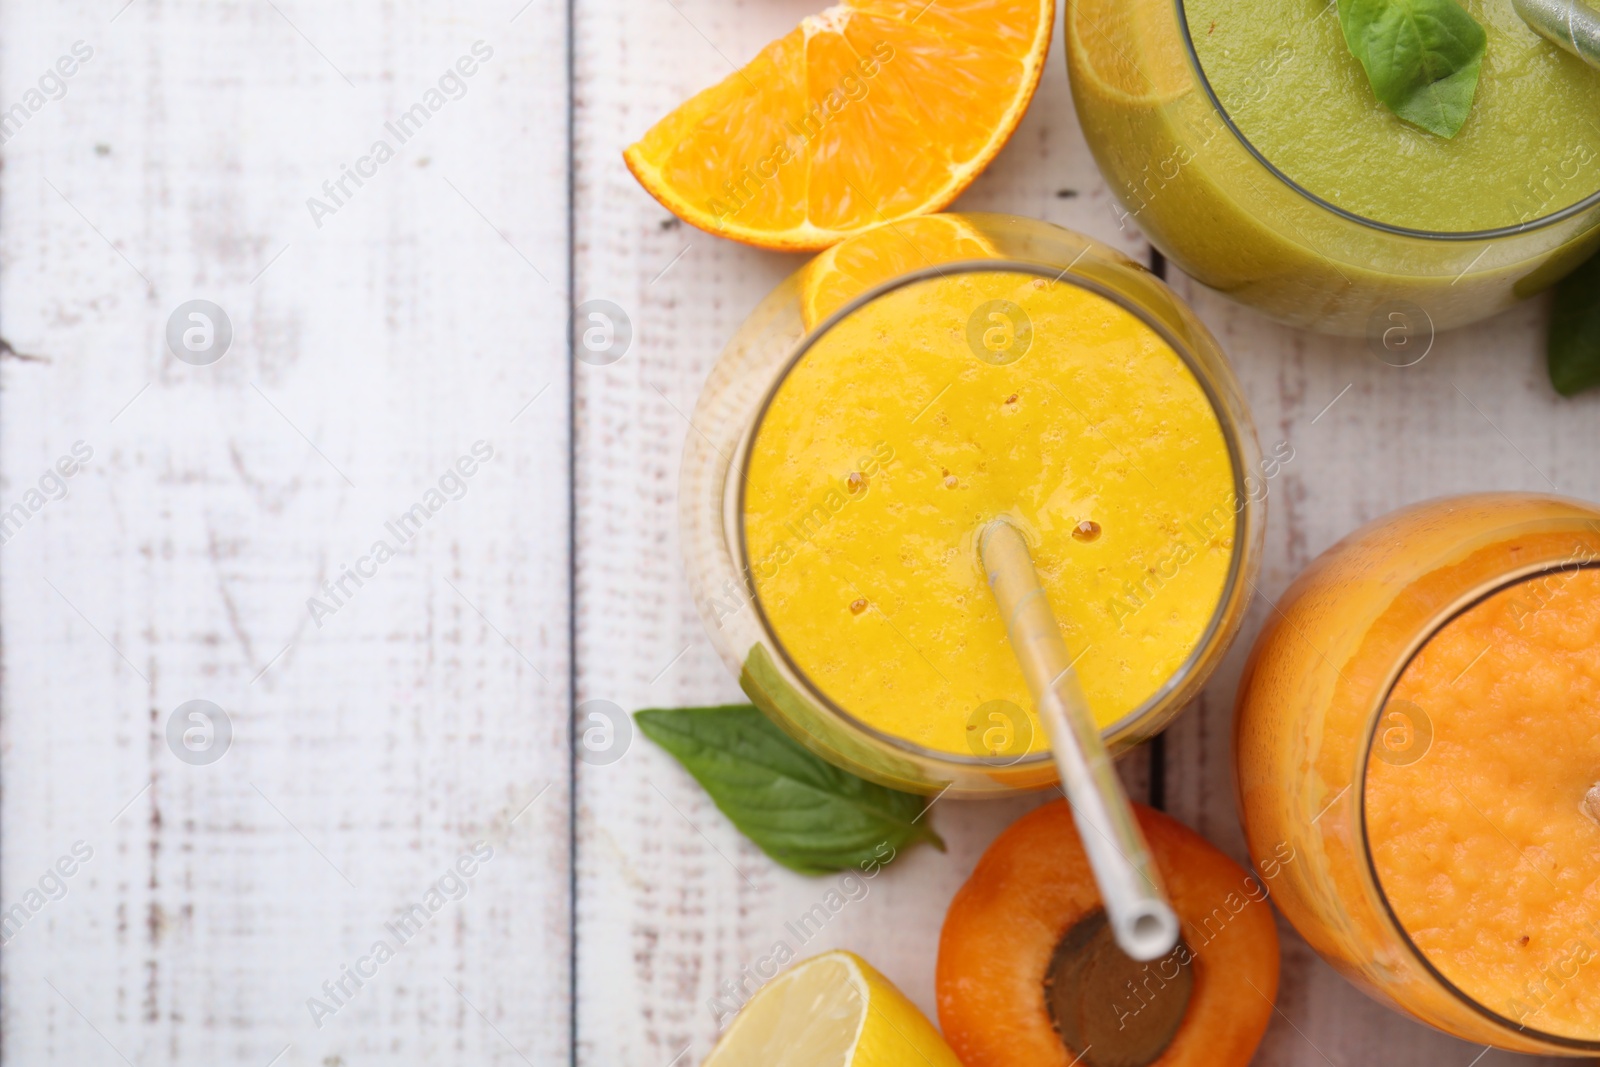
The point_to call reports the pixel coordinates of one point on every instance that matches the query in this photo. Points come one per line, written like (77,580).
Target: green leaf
(1573,348)
(1421,56)
(802,811)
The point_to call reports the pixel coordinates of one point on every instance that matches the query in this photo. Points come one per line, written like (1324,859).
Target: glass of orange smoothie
(898,393)
(1419,731)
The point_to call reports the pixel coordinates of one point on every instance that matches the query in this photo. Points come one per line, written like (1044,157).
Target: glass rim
(1492,234)
(1463,604)
(1230,433)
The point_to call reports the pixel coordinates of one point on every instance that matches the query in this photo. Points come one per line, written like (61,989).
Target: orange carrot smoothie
(1486,844)
(1420,724)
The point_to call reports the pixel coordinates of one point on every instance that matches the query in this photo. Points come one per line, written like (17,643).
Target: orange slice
(870,112)
(1128,50)
(850,268)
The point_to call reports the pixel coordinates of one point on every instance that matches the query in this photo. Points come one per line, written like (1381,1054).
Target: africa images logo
(452,85)
(452,485)
(453,885)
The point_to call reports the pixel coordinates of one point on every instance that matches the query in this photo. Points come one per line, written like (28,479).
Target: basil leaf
(799,809)
(1573,348)
(1421,56)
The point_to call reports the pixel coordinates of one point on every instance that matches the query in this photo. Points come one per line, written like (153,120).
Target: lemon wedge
(832,1010)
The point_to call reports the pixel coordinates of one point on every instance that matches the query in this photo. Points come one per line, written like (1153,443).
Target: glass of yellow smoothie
(1244,139)
(1418,750)
(903,390)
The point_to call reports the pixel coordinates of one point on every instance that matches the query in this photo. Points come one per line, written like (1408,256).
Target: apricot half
(1028,975)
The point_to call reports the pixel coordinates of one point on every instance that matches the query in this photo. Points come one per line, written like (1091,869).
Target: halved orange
(872,111)
(1128,50)
(1032,906)
(850,268)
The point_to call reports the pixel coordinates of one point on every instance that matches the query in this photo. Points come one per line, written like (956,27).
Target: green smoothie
(1402,240)
(1530,145)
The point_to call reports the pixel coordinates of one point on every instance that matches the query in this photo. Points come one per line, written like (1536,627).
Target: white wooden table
(374,738)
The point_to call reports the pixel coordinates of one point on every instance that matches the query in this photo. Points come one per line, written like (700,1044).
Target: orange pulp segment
(872,111)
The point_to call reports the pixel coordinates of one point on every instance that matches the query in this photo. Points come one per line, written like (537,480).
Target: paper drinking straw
(1145,926)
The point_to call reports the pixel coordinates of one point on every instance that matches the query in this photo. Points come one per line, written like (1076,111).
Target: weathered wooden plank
(375,341)
(672,902)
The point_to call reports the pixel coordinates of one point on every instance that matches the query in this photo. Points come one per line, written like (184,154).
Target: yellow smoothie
(1483,844)
(914,421)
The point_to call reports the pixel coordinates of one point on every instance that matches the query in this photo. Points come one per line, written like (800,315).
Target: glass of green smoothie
(1244,138)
